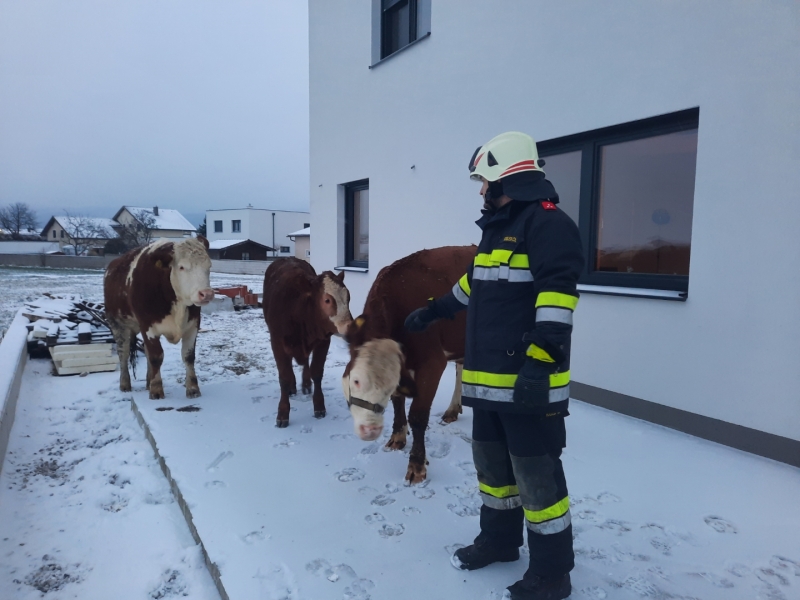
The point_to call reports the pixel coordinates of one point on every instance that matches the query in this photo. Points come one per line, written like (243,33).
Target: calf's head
(334,301)
(190,269)
(375,373)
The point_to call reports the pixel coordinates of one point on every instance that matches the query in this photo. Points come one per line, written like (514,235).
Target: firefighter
(520,294)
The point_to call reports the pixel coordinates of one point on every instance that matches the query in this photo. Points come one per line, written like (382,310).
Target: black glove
(532,388)
(420,319)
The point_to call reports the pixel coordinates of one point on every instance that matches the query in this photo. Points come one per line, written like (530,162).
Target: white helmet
(506,154)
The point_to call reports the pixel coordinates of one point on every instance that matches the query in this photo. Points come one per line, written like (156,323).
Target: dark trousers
(522,481)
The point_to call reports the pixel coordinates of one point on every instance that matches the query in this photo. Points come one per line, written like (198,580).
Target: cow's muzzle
(204,296)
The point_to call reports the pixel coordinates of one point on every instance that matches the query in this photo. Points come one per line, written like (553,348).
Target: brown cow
(399,289)
(158,290)
(302,311)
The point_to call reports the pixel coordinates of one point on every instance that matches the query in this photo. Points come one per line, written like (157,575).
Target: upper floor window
(54,233)
(236,226)
(285,249)
(217,226)
(62,233)
(630,189)
(396,24)
(356,236)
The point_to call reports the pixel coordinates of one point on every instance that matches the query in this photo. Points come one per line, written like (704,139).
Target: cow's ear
(340,276)
(161,259)
(355,333)
(203,239)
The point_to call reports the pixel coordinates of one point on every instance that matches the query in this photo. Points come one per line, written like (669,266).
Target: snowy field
(312,513)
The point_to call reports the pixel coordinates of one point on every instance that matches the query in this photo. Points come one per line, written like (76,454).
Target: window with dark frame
(630,189)
(356,236)
(245,256)
(217,226)
(286,249)
(236,226)
(398,25)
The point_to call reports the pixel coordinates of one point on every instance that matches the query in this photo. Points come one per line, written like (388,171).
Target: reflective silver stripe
(502,273)
(520,276)
(507,394)
(501,503)
(460,294)
(552,526)
(551,313)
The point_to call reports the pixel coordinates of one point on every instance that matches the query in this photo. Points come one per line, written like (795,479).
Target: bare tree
(139,233)
(18,218)
(83,232)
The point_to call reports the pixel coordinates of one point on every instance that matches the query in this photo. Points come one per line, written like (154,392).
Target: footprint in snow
(465,510)
(618,527)
(367,491)
(374,518)
(392,488)
(285,443)
(720,525)
(738,570)
(215,484)
(341,436)
(438,449)
(411,510)
(322,568)
(662,546)
(359,590)
(257,399)
(468,467)
(642,587)
(452,548)
(382,500)
(771,577)
(371,448)
(350,474)
(461,491)
(254,536)
(306,429)
(217,461)
(595,592)
(424,494)
(606,497)
(391,530)
(716,580)
(781,562)
(591,553)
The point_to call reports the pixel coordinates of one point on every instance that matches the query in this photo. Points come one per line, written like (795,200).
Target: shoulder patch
(510,238)
(548,205)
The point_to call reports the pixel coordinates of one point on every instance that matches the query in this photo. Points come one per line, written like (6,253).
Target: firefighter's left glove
(532,388)
(419,319)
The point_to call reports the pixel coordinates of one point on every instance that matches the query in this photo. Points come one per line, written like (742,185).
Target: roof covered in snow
(301,233)
(84,227)
(167,218)
(222,244)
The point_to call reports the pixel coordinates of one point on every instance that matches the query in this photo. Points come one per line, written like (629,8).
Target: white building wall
(257,225)
(553,68)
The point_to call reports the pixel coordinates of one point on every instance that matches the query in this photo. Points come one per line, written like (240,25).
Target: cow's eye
(327,300)
(181,267)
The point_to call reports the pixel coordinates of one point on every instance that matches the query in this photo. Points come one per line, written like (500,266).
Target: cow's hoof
(306,389)
(156,395)
(281,423)
(193,393)
(396,442)
(319,414)
(124,388)
(416,473)
(449,416)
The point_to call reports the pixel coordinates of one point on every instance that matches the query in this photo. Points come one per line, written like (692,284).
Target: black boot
(481,554)
(533,587)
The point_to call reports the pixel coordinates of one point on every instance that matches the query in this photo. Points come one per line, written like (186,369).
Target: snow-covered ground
(312,513)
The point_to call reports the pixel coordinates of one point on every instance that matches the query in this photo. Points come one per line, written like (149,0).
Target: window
(217,226)
(356,236)
(62,233)
(54,233)
(397,24)
(285,249)
(236,226)
(245,256)
(630,189)
(306,225)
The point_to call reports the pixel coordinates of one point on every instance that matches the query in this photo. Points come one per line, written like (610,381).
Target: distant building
(265,226)
(302,243)
(238,250)
(81,235)
(164,222)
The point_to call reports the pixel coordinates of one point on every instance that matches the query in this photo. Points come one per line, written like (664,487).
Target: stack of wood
(71,331)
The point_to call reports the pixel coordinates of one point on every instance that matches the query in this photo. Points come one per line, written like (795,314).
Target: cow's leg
(122,336)
(286,380)
(188,343)
(427,380)
(399,425)
(318,357)
(306,378)
(155,357)
(452,412)
(149,367)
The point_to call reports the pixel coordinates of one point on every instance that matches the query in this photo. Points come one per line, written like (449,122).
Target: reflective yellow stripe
(519,261)
(559,379)
(501,256)
(539,354)
(464,284)
(492,379)
(499,492)
(551,512)
(556,299)
(501,380)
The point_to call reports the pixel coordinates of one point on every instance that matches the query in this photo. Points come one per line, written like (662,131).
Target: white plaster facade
(551,68)
(262,225)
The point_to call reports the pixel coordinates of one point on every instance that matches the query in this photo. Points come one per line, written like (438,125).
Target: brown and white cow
(158,290)
(386,361)
(302,311)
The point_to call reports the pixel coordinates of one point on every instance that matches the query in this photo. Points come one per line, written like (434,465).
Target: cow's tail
(133,354)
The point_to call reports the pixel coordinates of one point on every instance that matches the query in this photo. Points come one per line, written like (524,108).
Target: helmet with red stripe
(507,154)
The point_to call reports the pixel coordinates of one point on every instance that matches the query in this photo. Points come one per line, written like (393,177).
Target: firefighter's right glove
(532,388)
(420,319)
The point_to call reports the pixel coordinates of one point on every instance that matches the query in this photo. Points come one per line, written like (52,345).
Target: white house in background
(263,225)
(90,233)
(167,222)
(302,243)
(671,133)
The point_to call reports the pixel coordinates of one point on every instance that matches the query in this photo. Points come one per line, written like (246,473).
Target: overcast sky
(186,104)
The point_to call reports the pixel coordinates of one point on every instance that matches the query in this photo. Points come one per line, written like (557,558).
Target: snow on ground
(311,512)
